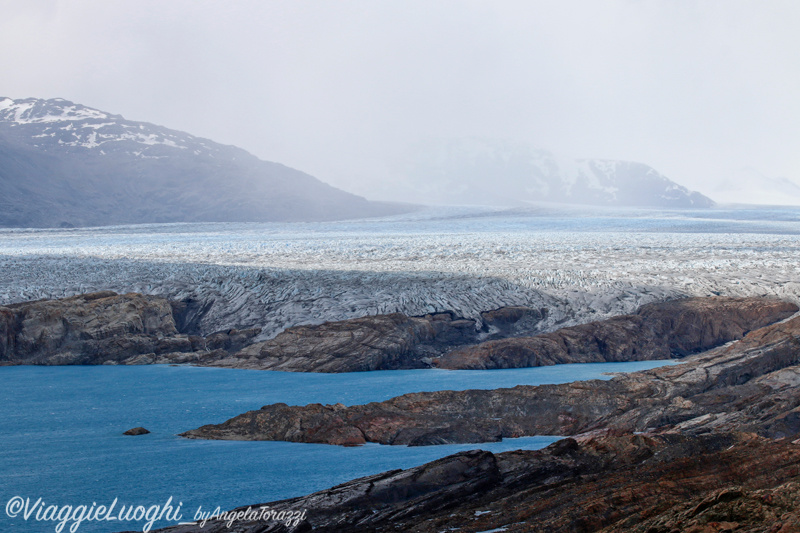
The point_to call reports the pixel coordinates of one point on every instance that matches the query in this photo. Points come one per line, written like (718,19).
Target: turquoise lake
(61,433)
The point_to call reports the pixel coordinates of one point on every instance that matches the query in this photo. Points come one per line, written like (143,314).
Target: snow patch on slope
(31,111)
(74,125)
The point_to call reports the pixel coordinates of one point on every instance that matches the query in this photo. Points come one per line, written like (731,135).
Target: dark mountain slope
(64,164)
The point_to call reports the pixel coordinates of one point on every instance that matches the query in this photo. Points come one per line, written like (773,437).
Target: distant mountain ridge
(65,164)
(483,171)
(749,186)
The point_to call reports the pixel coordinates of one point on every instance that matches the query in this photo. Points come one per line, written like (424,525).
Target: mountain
(65,164)
(749,186)
(476,171)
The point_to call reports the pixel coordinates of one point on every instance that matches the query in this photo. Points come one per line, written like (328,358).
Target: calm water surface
(61,433)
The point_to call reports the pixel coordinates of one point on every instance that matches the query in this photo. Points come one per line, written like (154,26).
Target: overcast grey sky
(697,89)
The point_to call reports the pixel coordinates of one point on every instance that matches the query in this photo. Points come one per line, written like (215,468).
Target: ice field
(581,263)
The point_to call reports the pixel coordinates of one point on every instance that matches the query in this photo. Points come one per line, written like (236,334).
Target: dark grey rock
(379,342)
(137,431)
(656,331)
(747,385)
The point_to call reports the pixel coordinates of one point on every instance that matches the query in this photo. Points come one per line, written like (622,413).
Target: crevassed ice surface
(582,264)
(60,427)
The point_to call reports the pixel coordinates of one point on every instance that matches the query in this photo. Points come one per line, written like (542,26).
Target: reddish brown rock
(749,385)
(659,483)
(657,331)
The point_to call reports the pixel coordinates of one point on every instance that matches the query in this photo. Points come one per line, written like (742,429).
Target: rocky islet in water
(719,427)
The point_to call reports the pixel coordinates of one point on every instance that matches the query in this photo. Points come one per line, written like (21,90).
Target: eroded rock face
(380,342)
(106,328)
(387,342)
(367,343)
(657,331)
(748,385)
(84,329)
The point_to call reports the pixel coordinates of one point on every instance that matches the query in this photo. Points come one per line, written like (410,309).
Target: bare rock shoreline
(109,328)
(610,482)
(712,444)
(748,384)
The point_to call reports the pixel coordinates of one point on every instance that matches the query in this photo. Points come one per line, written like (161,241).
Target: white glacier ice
(582,265)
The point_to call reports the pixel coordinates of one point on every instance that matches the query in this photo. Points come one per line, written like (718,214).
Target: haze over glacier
(486,171)
(245,257)
(65,164)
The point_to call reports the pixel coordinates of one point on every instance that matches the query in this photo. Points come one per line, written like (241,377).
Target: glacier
(582,264)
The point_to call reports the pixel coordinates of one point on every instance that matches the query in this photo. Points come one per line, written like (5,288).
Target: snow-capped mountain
(66,164)
(479,172)
(749,186)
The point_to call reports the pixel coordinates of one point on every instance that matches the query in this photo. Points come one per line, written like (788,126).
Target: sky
(705,91)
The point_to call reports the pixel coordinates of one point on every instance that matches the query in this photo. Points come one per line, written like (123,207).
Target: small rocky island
(137,431)
(711,444)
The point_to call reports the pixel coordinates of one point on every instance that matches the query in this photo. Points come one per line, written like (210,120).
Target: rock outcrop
(380,342)
(137,431)
(106,328)
(656,331)
(86,328)
(611,482)
(750,384)
(395,341)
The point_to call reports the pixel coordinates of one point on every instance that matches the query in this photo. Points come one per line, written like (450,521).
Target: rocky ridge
(108,328)
(657,483)
(749,383)
(660,330)
(380,342)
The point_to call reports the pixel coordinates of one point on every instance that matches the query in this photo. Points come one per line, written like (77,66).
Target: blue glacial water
(61,433)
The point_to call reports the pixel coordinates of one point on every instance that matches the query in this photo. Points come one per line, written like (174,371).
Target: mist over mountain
(477,171)
(749,186)
(65,164)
